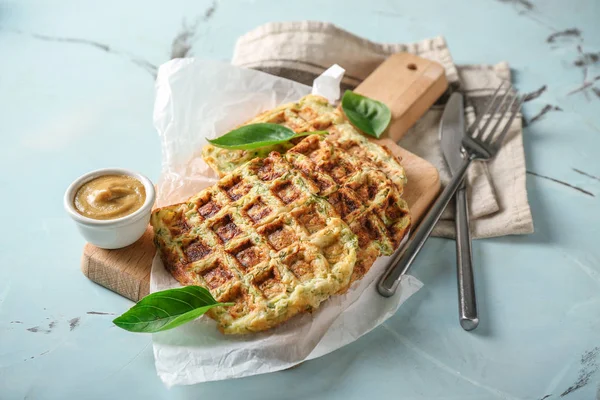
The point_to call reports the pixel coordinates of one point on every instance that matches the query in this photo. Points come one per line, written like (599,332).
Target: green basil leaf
(370,116)
(167,309)
(253,136)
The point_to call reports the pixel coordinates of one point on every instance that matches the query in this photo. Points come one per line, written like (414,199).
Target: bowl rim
(71,191)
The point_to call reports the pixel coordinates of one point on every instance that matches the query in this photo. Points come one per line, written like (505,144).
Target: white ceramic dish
(112,233)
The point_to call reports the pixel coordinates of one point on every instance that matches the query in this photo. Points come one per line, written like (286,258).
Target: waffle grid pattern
(259,238)
(364,197)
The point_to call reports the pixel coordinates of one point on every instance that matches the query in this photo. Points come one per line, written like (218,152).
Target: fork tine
(489,138)
(475,124)
(481,134)
(498,142)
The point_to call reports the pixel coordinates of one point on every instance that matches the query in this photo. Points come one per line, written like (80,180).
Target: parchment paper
(197,99)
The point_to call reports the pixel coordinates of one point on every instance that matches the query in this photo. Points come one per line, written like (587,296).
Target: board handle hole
(412,67)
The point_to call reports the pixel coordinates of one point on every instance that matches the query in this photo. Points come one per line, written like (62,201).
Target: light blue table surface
(65,103)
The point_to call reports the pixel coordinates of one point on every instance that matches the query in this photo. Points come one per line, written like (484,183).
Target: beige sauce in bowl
(110,197)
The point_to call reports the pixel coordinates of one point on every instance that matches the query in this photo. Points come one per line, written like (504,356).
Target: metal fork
(479,143)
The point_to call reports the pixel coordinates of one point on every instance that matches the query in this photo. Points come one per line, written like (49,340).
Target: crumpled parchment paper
(195,100)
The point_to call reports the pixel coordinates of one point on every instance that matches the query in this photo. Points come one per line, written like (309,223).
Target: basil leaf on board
(370,116)
(253,136)
(167,309)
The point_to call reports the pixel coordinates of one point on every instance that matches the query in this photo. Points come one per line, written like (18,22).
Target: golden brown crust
(364,197)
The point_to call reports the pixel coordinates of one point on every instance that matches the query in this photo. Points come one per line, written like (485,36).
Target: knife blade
(452,129)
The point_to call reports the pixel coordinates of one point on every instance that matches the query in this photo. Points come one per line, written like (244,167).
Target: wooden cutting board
(408,84)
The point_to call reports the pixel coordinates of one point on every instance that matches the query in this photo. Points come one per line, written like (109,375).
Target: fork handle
(467,305)
(403,258)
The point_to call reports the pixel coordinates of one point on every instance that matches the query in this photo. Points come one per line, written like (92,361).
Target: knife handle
(466,287)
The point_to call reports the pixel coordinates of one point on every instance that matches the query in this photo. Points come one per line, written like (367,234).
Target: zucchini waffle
(363,180)
(261,238)
(310,113)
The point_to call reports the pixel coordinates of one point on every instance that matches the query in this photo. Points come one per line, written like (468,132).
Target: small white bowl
(111,233)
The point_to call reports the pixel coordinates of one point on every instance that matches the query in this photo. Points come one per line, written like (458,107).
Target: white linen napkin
(301,51)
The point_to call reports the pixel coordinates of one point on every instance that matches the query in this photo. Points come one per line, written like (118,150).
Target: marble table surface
(77,77)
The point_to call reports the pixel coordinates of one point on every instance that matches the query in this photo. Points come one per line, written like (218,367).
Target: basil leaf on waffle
(253,136)
(167,309)
(370,116)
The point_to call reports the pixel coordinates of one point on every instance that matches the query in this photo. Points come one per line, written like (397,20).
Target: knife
(452,130)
